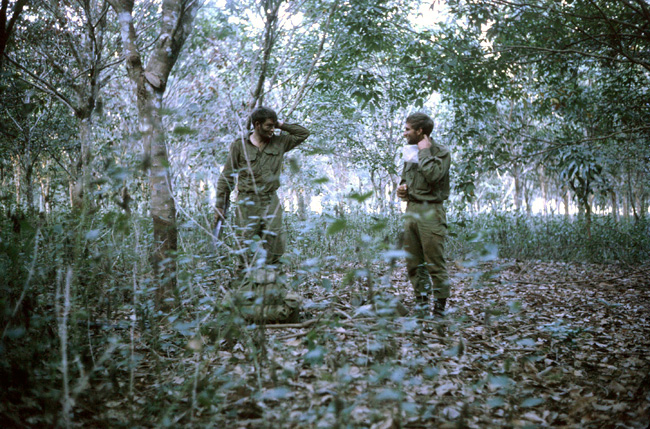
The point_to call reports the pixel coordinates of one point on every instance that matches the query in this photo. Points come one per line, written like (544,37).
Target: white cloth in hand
(410,153)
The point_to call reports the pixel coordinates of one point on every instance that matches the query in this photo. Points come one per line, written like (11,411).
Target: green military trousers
(425,229)
(259,220)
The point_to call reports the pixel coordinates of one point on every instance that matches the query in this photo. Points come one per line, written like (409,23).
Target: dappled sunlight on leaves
(532,343)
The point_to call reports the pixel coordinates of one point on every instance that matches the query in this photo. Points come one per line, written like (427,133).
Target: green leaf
(294,166)
(390,255)
(93,234)
(315,356)
(360,197)
(398,375)
(526,342)
(186,329)
(495,402)
(500,381)
(181,130)
(320,180)
(531,402)
(337,226)
(389,395)
(276,394)
(431,371)
(514,306)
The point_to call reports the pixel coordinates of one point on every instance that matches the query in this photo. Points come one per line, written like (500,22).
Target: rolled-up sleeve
(296,134)
(434,166)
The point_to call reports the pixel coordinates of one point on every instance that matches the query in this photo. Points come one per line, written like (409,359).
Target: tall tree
(587,65)
(150,82)
(69,64)
(7,23)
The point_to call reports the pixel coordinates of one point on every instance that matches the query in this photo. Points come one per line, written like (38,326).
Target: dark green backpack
(262,297)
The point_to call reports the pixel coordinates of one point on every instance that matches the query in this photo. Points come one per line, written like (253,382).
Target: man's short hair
(422,121)
(261,114)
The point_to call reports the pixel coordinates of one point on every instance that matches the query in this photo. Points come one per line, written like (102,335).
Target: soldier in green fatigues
(425,185)
(254,164)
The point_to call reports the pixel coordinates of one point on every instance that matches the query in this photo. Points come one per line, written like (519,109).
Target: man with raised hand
(425,186)
(254,165)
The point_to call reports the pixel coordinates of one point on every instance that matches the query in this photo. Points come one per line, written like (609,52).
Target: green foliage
(561,239)
(515,103)
(111,298)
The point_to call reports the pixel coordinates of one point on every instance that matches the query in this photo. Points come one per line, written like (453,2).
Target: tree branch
(301,92)
(42,85)
(554,146)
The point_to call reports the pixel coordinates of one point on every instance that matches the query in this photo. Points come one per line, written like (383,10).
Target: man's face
(265,129)
(412,135)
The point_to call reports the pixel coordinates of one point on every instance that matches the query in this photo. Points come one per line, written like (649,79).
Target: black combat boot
(439,308)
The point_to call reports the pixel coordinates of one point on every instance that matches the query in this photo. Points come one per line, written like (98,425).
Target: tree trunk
(614,202)
(641,195)
(29,187)
(163,209)
(566,199)
(17,182)
(24,168)
(302,204)
(518,186)
(45,183)
(587,207)
(271,8)
(151,82)
(630,194)
(8,23)
(527,198)
(80,197)
(544,185)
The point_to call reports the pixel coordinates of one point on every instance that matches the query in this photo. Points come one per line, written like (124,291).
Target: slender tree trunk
(271,8)
(80,197)
(17,181)
(302,204)
(641,192)
(630,194)
(29,187)
(45,192)
(614,202)
(527,198)
(566,200)
(518,186)
(544,185)
(163,208)
(587,207)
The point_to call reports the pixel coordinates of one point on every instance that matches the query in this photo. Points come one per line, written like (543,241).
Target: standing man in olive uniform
(425,185)
(254,164)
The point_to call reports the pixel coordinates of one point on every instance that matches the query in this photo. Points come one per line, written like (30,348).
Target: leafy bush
(557,238)
(111,323)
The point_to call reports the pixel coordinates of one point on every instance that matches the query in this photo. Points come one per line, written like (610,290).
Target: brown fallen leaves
(524,344)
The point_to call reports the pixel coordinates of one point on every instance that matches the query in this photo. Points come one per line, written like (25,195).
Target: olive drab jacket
(428,179)
(257,171)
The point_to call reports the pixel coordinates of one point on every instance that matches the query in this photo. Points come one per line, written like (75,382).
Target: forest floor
(524,344)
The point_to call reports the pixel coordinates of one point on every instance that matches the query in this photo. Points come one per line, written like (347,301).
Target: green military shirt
(257,171)
(428,179)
